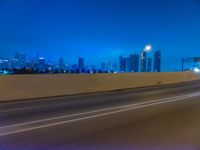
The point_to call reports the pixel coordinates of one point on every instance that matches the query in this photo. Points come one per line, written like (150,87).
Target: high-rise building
(49,66)
(81,63)
(149,65)
(74,67)
(61,64)
(128,64)
(109,67)
(135,63)
(92,68)
(114,67)
(67,67)
(1,64)
(34,64)
(103,67)
(13,63)
(157,61)
(122,64)
(41,64)
(6,64)
(21,57)
(144,61)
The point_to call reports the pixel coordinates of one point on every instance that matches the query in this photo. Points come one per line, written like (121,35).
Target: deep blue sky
(100,30)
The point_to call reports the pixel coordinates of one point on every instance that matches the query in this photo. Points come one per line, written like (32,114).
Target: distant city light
(5,72)
(148,48)
(21,64)
(196,69)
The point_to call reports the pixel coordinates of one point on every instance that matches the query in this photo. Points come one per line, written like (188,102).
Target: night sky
(100,30)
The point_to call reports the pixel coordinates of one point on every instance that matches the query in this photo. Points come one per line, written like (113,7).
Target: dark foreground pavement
(162,117)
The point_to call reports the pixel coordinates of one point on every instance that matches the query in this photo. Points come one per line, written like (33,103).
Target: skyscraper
(13,63)
(135,63)
(144,61)
(114,67)
(128,64)
(61,64)
(21,57)
(122,64)
(103,67)
(81,63)
(108,66)
(1,64)
(74,67)
(157,61)
(6,63)
(149,66)
(131,63)
(41,64)
(92,68)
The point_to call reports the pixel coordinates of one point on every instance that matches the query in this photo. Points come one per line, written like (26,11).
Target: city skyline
(101,30)
(130,63)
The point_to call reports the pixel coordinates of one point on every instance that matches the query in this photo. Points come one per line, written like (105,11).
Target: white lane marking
(96,111)
(100,115)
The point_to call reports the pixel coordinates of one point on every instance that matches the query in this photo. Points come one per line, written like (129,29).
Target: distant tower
(149,66)
(131,63)
(183,61)
(103,67)
(114,67)
(81,63)
(74,67)
(41,63)
(14,63)
(127,64)
(1,63)
(108,66)
(122,64)
(6,64)
(135,63)
(157,61)
(144,61)
(38,55)
(21,57)
(61,64)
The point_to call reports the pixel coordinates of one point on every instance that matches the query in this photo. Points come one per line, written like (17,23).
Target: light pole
(144,66)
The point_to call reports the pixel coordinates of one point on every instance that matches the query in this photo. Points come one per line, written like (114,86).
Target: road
(160,117)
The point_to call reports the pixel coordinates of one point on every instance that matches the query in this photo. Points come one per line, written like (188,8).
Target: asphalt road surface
(165,117)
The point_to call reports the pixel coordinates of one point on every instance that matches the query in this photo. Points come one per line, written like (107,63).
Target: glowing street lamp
(148,48)
(146,66)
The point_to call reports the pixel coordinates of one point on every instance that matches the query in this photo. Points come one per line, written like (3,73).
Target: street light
(146,62)
(148,48)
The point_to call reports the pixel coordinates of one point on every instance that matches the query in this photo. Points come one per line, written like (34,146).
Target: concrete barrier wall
(16,87)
